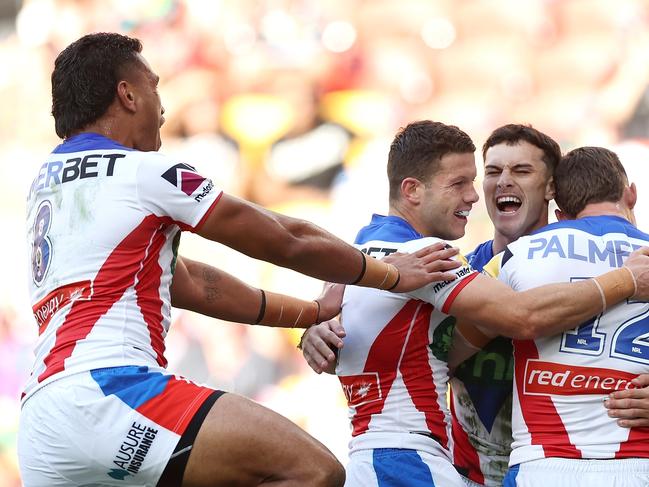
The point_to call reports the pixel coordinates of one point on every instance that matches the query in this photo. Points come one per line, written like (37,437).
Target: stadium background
(292,104)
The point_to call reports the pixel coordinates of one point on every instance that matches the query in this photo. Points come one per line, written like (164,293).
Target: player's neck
(607,208)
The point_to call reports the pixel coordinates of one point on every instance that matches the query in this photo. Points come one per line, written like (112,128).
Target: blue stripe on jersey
(398,467)
(132,384)
(388,229)
(510,478)
(598,226)
(87,141)
(481,255)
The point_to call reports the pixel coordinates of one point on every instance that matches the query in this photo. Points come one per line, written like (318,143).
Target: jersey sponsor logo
(88,166)
(57,299)
(184,177)
(613,251)
(133,451)
(549,378)
(361,389)
(464,271)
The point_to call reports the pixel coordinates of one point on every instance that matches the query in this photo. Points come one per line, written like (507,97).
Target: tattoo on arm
(211,278)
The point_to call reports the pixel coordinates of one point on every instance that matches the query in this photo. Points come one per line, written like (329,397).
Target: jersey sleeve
(167,188)
(441,294)
(503,267)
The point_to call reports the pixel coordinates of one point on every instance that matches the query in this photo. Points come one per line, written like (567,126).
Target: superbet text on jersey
(103,227)
(560,381)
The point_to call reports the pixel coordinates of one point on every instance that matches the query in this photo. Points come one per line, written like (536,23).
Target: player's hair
(513,133)
(85,77)
(588,175)
(417,149)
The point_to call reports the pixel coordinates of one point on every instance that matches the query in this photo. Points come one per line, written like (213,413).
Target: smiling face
(517,188)
(447,197)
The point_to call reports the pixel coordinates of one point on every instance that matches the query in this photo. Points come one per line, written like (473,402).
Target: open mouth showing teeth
(463,213)
(508,204)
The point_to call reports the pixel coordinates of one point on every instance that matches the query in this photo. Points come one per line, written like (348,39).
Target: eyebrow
(513,166)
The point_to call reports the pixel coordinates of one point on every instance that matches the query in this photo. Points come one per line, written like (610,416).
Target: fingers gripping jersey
(560,381)
(393,366)
(103,226)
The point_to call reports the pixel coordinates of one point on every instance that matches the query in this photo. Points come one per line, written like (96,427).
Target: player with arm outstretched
(105,214)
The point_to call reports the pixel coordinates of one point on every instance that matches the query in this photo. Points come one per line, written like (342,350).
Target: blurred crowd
(292,104)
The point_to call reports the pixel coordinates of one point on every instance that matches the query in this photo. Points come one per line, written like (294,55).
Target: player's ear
(630,196)
(126,96)
(561,215)
(549,190)
(410,190)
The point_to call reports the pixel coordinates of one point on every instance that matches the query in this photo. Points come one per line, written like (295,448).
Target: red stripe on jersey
(465,455)
(148,296)
(175,407)
(636,444)
(57,299)
(383,360)
(456,290)
(207,213)
(539,413)
(114,277)
(418,375)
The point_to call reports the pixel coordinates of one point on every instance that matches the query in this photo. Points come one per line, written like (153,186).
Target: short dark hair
(588,175)
(418,148)
(85,78)
(513,133)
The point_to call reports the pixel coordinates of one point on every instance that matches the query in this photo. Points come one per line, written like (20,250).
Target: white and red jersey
(103,226)
(560,381)
(393,366)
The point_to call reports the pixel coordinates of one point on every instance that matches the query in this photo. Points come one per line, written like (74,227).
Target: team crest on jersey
(184,177)
(362,388)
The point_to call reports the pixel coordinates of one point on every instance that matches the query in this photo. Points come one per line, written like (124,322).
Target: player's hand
(319,343)
(631,406)
(330,301)
(638,264)
(427,265)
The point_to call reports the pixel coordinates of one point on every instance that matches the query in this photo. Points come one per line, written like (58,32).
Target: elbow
(529,327)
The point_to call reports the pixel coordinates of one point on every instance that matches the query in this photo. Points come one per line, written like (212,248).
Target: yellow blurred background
(292,104)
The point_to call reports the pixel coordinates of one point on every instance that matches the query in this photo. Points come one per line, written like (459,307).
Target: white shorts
(564,472)
(397,467)
(113,426)
(470,483)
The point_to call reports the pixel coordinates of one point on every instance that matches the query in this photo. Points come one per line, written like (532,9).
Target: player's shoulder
(414,245)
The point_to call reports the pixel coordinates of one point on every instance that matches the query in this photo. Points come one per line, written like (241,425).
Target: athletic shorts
(470,483)
(563,472)
(111,426)
(398,467)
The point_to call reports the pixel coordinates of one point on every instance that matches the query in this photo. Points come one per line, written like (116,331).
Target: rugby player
(105,213)
(562,433)
(393,366)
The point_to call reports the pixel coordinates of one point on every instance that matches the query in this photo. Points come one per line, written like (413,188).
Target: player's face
(150,113)
(448,197)
(517,188)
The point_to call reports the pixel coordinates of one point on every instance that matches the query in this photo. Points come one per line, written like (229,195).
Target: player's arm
(468,339)
(631,406)
(210,291)
(553,308)
(308,249)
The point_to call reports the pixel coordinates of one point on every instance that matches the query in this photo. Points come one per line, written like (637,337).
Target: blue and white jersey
(103,225)
(560,381)
(481,402)
(393,366)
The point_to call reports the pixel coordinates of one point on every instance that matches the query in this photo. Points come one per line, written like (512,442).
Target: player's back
(560,381)
(101,238)
(393,365)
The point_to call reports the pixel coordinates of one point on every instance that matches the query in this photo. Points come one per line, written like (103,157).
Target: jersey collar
(87,141)
(389,228)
